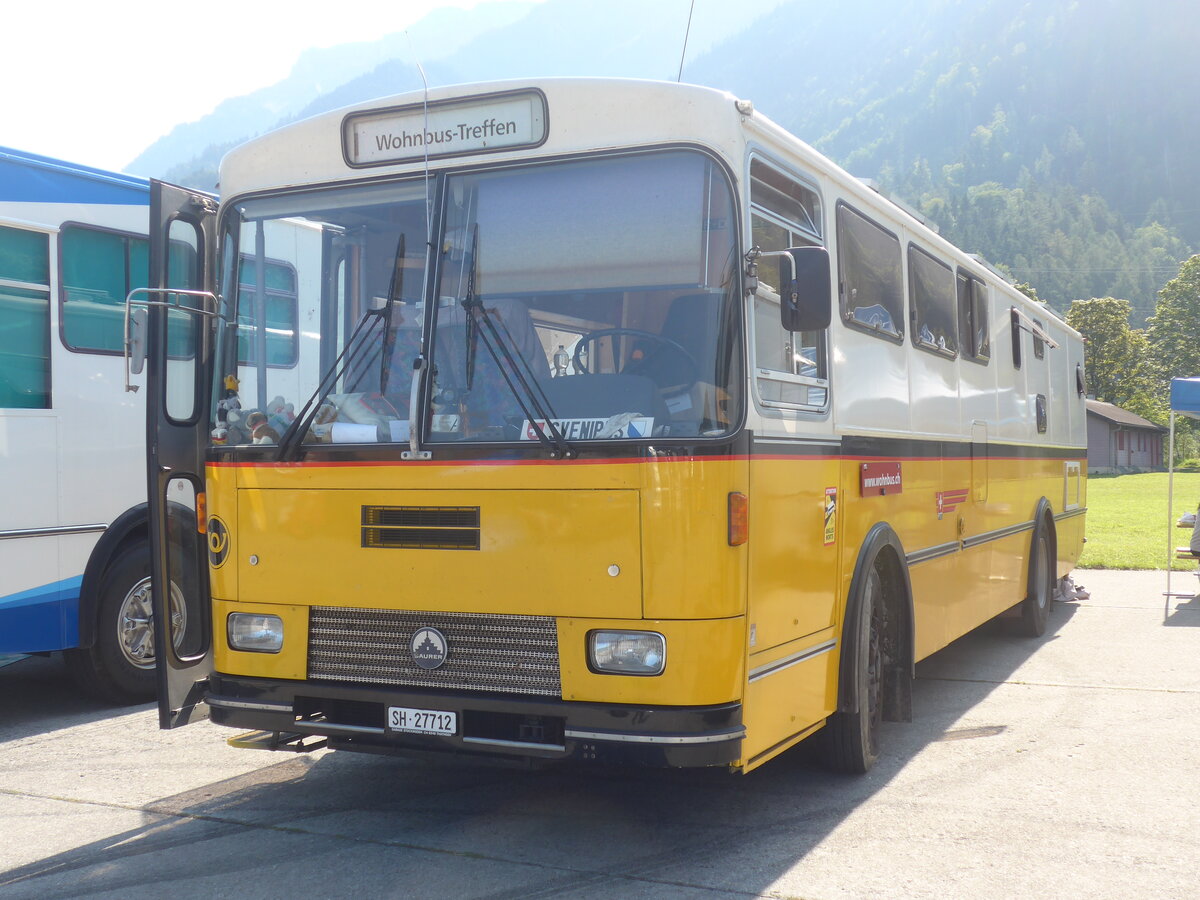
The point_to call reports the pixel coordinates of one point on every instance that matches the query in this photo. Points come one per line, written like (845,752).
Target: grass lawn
(1127,520)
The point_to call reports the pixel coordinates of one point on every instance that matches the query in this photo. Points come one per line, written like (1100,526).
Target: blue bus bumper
(43,618)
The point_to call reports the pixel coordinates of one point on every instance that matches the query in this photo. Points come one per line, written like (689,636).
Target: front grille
(506,654)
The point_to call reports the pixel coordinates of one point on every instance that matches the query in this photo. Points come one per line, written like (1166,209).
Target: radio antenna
(424,144)
(686,32)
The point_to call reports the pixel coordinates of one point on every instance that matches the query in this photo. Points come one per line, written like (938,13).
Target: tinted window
(1016,337)
(973,338)
(871,285)
(99,269)
(931,287)
(24,319)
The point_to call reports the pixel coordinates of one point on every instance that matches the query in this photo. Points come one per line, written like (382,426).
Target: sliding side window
(870,281)
(931,289)
(790,366)
(99,269)
(24,319)
(974,338)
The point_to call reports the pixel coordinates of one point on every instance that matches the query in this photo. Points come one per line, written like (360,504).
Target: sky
(97,83)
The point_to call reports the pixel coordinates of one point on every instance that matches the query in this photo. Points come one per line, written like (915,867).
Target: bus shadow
(486,831)
(37,696)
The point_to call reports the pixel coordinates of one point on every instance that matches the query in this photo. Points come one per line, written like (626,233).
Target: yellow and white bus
(618,425)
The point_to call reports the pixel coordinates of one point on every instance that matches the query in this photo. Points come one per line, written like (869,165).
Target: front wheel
(1035,608)
(119,666)
(850,739)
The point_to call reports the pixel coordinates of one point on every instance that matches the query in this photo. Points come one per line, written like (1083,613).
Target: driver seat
(692,321)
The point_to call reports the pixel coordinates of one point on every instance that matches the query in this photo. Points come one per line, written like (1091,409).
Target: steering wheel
(691,369)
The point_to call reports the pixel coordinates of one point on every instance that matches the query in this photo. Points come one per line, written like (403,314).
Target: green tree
(1174,334)
(1174,329)
(1029,291)
(1119,365)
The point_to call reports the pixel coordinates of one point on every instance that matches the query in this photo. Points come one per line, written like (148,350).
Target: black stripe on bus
(929,553)
(976,539)
(918,448)
(740,446)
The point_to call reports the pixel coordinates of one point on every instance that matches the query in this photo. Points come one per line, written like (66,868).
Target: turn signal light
(739,518)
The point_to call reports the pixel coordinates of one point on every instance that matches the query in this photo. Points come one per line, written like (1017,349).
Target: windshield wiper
(363,336)
(395,292)
(523,385)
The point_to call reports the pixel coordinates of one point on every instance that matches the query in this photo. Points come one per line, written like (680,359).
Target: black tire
(1035,608)
(119,666)
(850,740)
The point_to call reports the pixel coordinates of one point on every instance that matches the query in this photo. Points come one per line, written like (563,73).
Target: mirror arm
(752,257)
(135,323)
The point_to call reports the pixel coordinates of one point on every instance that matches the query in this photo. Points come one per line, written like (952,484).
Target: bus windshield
(585,300)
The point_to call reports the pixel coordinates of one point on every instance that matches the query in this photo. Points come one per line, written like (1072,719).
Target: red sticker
(880,478)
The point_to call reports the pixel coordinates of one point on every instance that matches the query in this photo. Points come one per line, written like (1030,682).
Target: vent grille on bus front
(507,654)
(420,527)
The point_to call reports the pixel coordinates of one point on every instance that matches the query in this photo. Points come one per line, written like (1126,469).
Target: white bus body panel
(78,465)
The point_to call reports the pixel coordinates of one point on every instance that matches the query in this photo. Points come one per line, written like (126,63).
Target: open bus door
(180,311)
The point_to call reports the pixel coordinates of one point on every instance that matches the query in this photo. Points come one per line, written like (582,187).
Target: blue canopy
(1185,396)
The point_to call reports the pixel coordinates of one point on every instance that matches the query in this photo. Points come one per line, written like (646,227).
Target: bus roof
(582,114)
(30,178)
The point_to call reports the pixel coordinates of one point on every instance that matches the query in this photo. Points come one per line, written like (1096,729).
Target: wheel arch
(128,529)
(884,544)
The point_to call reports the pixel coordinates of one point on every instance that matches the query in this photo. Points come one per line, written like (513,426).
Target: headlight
(627,652)
(255,633)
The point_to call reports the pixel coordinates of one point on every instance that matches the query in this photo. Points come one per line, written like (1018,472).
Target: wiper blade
(470,303)
(362,337)
(395,292)
(523,385)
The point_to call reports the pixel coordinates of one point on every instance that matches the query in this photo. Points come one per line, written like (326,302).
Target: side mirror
(805,295)
(135,344)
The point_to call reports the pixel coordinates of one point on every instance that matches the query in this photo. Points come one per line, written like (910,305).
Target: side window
(1039,346)
(790,366)
(974,340)
(281,312)
(1016,337)
(931,289)
(99,268)
(871,285)
(24,319)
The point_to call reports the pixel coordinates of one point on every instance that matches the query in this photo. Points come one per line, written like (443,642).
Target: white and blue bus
(74,558)
(74,565)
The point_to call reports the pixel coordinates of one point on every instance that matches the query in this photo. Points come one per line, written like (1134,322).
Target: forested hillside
(1054,137)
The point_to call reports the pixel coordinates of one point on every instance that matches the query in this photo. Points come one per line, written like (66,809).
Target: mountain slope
(316,73)
(1052,136)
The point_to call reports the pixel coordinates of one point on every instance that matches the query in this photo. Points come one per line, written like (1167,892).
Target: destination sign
(475,125)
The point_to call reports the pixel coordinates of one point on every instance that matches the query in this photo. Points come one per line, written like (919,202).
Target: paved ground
(1063,767)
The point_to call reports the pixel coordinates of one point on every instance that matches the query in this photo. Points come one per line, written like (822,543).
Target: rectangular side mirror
(805,295)
(135,342)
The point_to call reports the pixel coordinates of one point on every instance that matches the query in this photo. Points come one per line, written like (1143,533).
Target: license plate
(422,721)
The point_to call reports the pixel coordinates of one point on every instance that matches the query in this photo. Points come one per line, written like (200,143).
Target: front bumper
(354,718)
